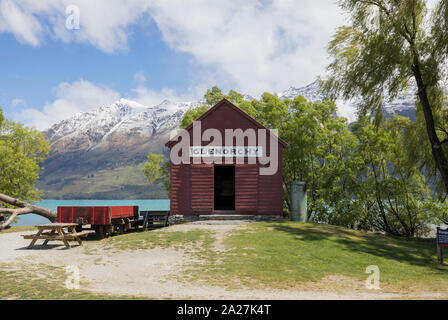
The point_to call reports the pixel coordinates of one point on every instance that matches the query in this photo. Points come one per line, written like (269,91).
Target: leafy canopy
(156,169)
(21,150)
(389,47)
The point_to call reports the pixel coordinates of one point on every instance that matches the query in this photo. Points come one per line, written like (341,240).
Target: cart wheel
(101,232)
(108,230)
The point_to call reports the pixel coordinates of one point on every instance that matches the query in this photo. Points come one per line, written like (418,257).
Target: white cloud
(16,19)
(151,98)
(139,77)
(103,23)
(79,96)
(249,45)
(16,102)
(256,47)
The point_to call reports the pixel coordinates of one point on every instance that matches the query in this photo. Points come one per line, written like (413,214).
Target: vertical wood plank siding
(175,192)
(202,187)
(246,188)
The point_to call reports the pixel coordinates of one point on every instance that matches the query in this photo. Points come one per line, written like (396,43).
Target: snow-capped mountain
(310,92)
(123,123)
(404,104)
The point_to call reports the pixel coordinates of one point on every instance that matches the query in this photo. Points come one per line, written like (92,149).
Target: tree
(320,154)
(192,115)
(21,150)
(24,208)
(392,195)
(157,170)
(387,48)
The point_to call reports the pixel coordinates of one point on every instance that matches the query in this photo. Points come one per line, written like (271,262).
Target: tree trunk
(24,208)
(436,146)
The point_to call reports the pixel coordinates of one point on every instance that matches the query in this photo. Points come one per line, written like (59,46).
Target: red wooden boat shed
(226,188)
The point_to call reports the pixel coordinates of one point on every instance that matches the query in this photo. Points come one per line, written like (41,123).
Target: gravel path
(155,273)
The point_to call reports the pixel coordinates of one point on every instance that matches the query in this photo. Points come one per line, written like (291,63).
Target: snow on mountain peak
(117,121)
(125,121)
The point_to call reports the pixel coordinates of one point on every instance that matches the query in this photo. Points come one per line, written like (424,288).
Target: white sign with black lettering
(249,152)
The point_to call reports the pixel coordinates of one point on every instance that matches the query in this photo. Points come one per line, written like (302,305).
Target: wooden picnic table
(55,231)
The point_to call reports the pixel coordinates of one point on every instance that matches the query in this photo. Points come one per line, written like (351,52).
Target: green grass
(288,254)
(43,282)
(18,229)
(160,238)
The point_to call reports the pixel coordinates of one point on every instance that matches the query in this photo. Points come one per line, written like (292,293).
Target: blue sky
(30,73)
(150,50)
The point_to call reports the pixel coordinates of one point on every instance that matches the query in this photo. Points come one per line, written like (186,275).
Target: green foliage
(213,96)
(152,168)
(384,35)
(392,195)
(387,46)
(157,170)
(319,153)
(21,150)
(192,115)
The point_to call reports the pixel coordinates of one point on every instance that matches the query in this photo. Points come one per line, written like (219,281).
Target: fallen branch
(24,208)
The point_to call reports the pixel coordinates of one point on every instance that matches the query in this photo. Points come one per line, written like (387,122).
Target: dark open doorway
(225,188)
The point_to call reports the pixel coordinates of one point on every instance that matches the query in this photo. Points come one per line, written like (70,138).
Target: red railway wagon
(104,220)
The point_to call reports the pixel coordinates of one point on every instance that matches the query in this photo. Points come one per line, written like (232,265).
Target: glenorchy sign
(226,151)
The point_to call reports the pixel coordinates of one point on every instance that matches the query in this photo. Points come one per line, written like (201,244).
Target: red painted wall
(192,185)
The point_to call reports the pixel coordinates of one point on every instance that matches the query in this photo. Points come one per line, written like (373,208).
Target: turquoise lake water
(33,219)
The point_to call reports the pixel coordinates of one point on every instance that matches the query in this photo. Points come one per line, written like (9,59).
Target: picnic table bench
(150,217)
(55,231)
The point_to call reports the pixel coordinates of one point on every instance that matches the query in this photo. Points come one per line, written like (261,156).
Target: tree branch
(24,208)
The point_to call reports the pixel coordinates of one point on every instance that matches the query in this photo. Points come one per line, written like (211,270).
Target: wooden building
(212,183)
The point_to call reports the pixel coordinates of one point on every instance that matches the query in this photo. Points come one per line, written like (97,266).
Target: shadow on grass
(93,236)
(417,252)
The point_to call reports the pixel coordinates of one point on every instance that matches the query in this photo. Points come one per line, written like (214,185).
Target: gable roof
(221,103)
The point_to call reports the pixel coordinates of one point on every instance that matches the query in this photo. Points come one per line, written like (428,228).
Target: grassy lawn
(160,238)
(291,254)
(288,254)
(18,229)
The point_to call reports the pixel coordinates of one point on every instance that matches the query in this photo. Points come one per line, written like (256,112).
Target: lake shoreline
(34,219)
